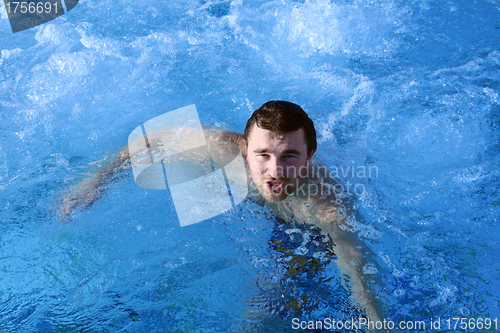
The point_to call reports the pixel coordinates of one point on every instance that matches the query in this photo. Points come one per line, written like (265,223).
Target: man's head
(280,140)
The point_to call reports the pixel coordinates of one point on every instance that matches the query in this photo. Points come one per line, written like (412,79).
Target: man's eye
(263,155)
(290,156)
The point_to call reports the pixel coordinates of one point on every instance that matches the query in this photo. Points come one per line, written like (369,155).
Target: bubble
(370,269)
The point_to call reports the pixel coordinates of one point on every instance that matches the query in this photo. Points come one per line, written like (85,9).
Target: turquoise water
(411,88)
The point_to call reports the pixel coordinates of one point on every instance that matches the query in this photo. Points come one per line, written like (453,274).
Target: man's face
(277,162)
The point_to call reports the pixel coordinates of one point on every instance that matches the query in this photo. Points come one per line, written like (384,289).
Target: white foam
(50,33)
(3,12)
(61,74)
(445,294)
(367,231)
(317,26)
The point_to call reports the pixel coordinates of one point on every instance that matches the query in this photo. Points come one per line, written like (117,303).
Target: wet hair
(282,117)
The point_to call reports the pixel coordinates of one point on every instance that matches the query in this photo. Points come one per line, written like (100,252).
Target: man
(278,144)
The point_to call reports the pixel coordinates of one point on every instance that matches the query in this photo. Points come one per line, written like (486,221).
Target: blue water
(409,87)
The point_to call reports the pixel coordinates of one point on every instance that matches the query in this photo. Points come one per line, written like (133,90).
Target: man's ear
(243,147)
(311,155)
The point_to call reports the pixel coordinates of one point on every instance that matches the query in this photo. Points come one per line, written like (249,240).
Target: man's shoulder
(316,194)
(219,137)
(223,145)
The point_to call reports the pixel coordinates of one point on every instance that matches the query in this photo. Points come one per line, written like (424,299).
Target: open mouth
(274,185)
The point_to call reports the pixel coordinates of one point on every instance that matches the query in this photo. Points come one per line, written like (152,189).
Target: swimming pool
(410,88)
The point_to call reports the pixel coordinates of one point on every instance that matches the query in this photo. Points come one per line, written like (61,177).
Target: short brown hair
(282,117)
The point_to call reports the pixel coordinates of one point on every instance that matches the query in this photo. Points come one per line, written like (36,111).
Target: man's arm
(86,192)
(90,189)
(353,256)
(215,136)
(353,260)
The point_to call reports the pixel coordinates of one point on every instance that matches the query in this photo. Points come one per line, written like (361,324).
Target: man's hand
(80,197)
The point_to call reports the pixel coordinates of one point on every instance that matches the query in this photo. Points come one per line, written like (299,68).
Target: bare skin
(281,169)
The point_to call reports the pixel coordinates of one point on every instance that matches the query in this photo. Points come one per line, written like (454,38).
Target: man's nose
(274,168)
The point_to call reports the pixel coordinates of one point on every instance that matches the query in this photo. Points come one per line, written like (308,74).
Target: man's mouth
(274,185)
